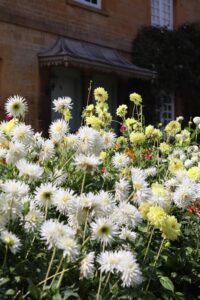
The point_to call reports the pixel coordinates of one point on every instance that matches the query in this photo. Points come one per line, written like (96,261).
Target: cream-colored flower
(137,138)
(100,94)
(175,165)
(194,173)
(135,98)
(165,148)
(173,127)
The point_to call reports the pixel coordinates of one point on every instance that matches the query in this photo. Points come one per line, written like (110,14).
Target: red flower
(147,156)
(103,170)
(8,118)
(190,210)
(122,128)
(194,209)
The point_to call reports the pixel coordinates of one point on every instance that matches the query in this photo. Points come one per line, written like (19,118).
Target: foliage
(175,56)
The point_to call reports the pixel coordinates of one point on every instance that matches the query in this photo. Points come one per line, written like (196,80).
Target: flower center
(104,230)
(16,106)
(47,195)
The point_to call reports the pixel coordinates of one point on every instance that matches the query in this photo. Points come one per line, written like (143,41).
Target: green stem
(60,278)
(83,183)
(65,164)
(89,92)
(100,280)
(141,114)
(17,294)
(31,245)
(108,277)
(50,277)
(5,257)
(99,287)
(86,240)
(159,251)
(149,242)
(155,262)
(46,210)
(57,271)
(112,288)
(49,267)
(131,195)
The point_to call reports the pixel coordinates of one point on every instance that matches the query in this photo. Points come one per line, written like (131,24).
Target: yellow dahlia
(158,189)
(100,94)
(194,173)
(144,209)
(172,128)
(135,98)
(170,228)
(94,122)
(122,110)
(165,148)
(175,165)
(156,215)
(137,138)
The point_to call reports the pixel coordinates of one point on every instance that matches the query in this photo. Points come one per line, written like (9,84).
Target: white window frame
(165,111)
(161,14)
(98,5)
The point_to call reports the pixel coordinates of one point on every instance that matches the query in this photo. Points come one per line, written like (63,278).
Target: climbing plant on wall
(175,56)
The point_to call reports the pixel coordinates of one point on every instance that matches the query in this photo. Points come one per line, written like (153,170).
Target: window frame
(161,14)
(164,108)
(84,2)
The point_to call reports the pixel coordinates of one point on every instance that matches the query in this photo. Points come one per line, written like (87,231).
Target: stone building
(51,48)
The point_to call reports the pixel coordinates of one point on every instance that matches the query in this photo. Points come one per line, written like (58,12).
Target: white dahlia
(16,106)
(58,130)
(30,171)
(45,194)
(61,199)
(15,152)
(87,163)
(104,231)
(11,241)
(15,188)
(120,161)
(22,133)
(62,103)
(89,141)
(87,266)
(131,274)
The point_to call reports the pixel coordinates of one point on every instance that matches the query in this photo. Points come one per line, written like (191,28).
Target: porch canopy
(71,52)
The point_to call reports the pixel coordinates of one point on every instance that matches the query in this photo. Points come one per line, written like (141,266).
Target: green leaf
(149,296)
(69,294)
(167,283)
(180,294)
(57,296)
(4,281)
(17,278)
(34,291)
(10,292)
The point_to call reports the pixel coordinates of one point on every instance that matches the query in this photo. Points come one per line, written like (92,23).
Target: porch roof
(71,52)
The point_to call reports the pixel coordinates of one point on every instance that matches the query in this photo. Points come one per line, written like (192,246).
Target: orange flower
(194,209)
(116,147)
(129,153)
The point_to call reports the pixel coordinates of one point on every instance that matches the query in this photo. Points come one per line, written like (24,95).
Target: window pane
(93,3)
(162,13)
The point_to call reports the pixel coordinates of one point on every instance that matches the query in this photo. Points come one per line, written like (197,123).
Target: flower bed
(94,216)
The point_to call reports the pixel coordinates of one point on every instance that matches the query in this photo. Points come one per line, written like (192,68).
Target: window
(93,3)
(166,109)
(162,13)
